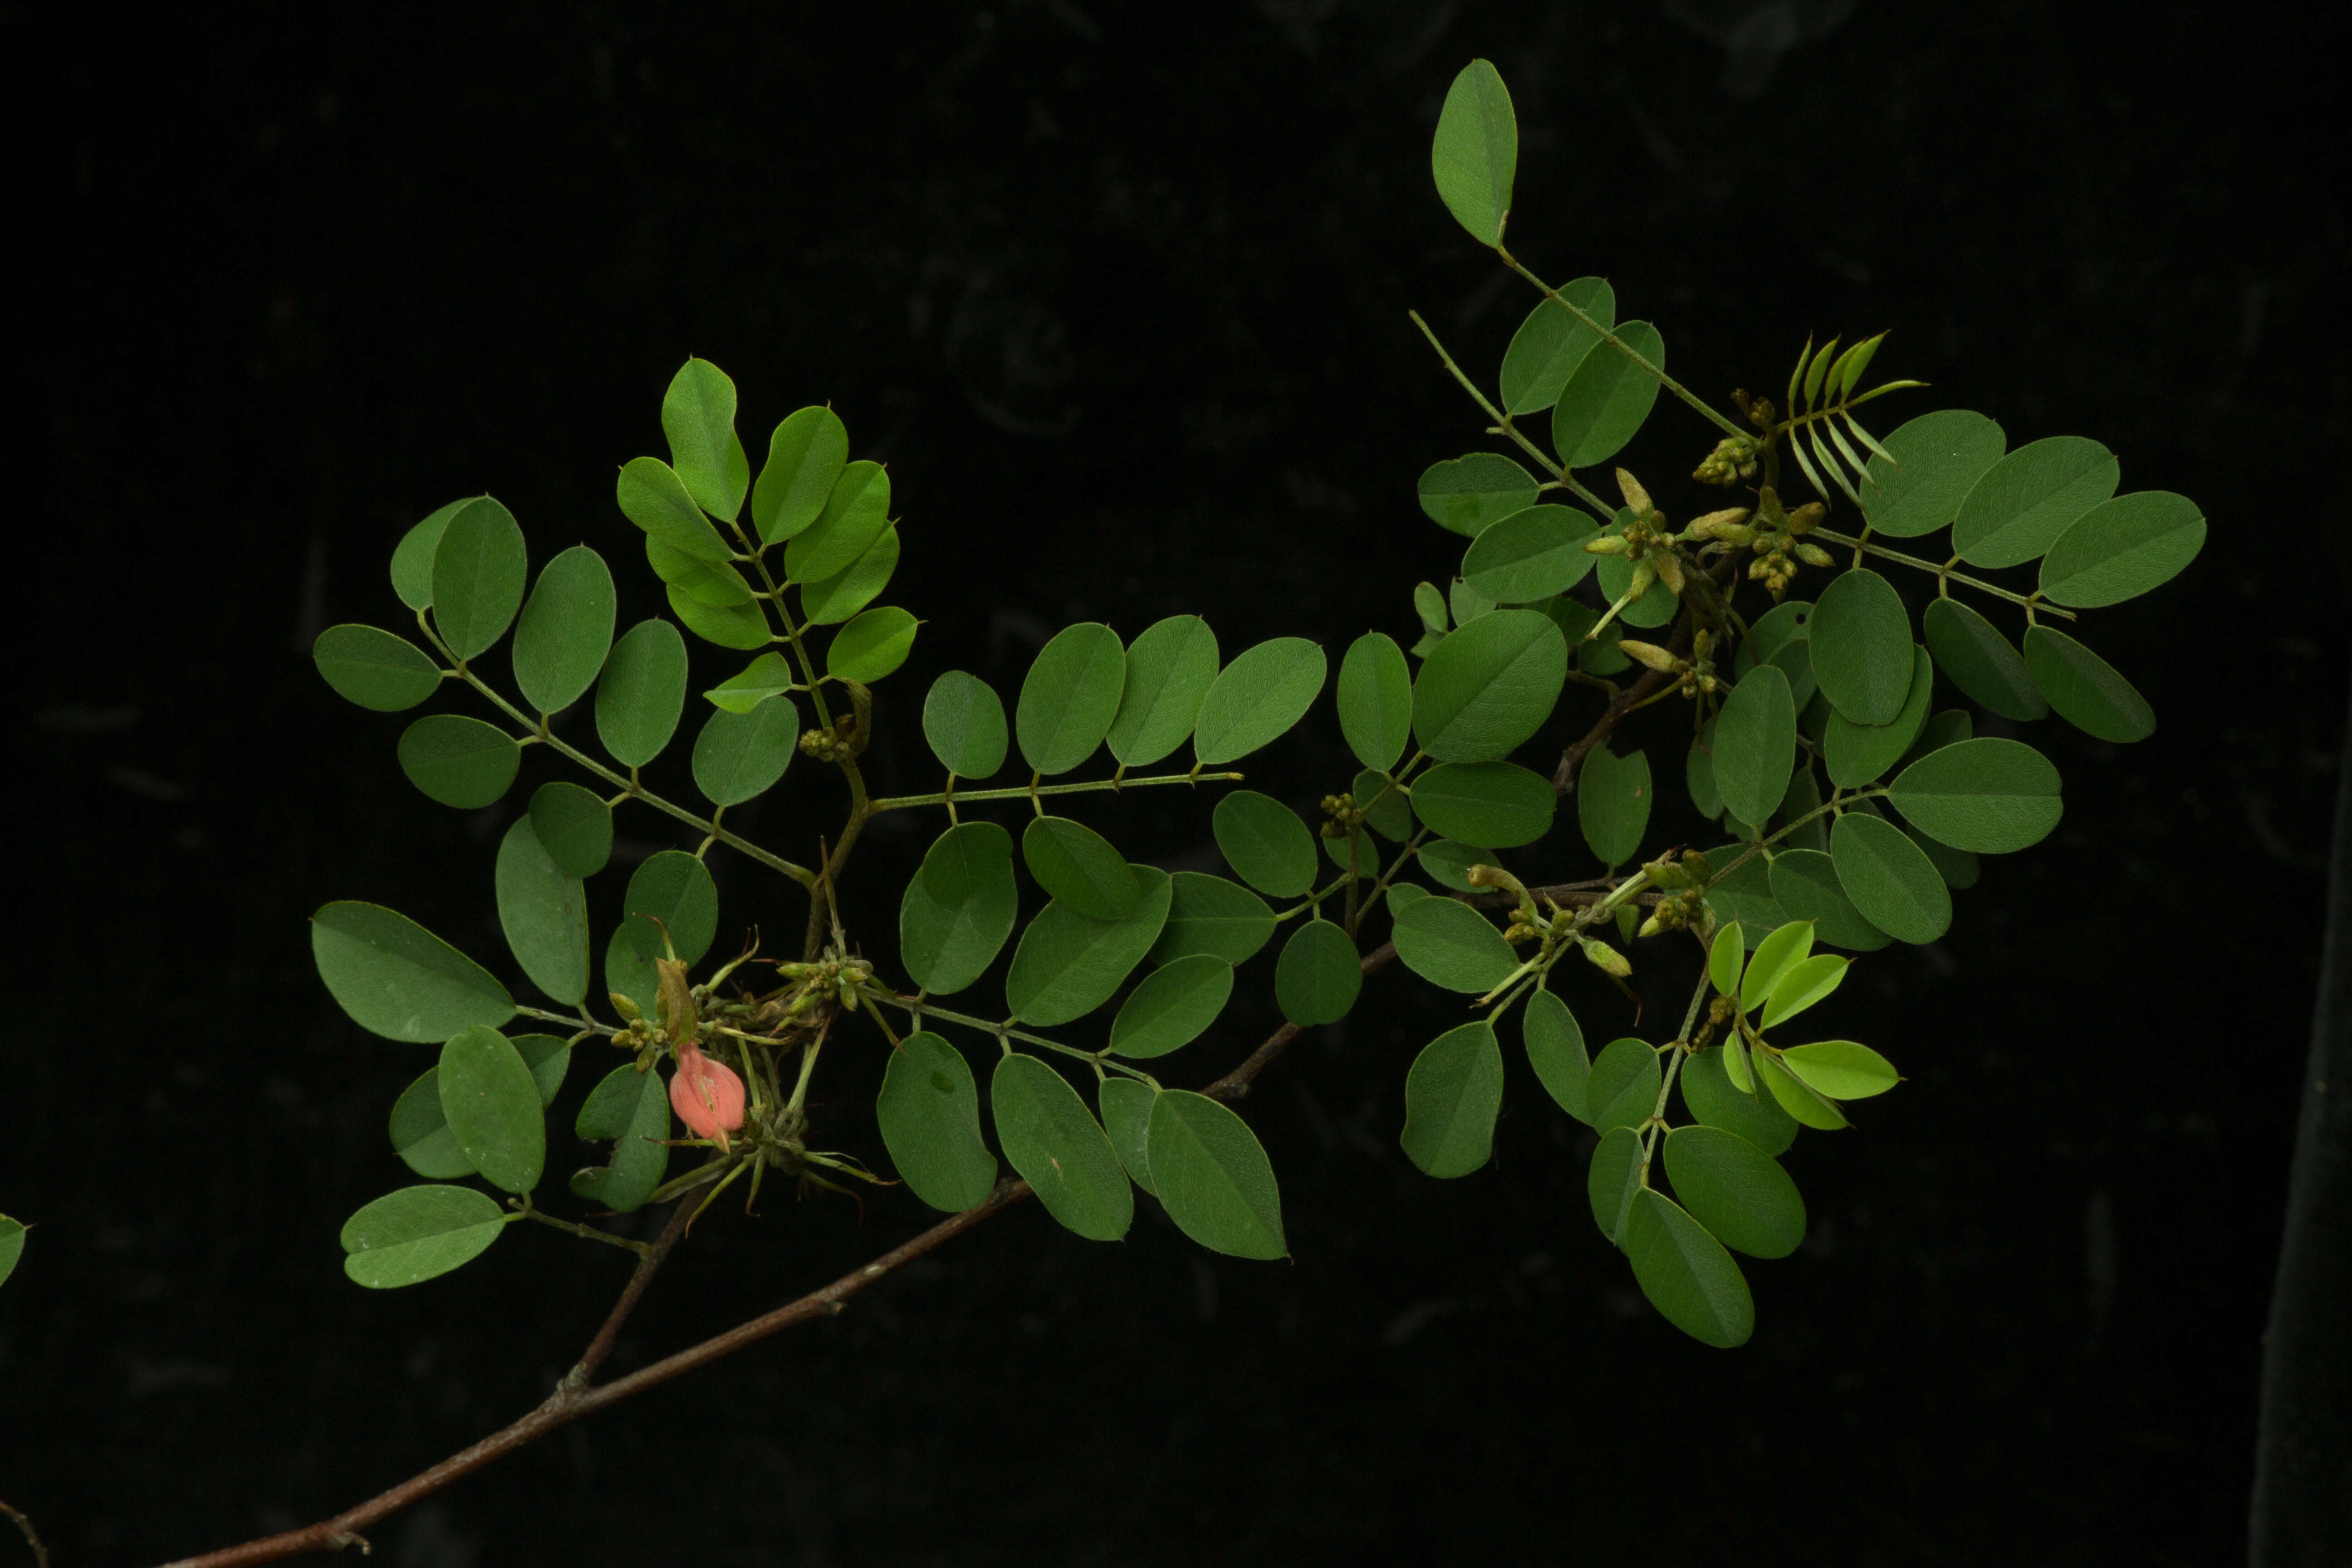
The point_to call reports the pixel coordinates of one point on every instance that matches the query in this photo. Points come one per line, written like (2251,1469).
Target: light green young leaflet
(1806,982)
(855,514)
(871,647)
(1775,956)
(744,627)
(805,456)
(770,675)
(652,496)
(697,415)
(854,586)
(1843,1069)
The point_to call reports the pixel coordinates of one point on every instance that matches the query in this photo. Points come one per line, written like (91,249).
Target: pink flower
(707,1095)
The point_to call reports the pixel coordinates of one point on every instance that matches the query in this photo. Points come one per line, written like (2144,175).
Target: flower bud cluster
(1343,814)
(1733,459)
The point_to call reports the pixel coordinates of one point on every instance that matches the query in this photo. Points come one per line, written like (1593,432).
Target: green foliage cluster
(1850,807)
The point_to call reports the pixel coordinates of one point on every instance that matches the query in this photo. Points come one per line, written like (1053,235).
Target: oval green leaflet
(411,558)
(1053,1140)
(374,668)
(574,827)
(1080,868)
(1698,772)
(1890,878)
(1687,1274)
(744,627)
(1991,795)
(1169,669)
(1724,958)
(1861,646)
(1452,1095)
(1386,810)
(1172,1006)
(714,584)
(1465,494)
(1608,397)
(1475,156)
(1857,754)
(739,756)
(1258,697)
(1318,975)
(457,761)
(854,586)
(1453,946)
(1531,555)
(698,416)
(1126,1106)
(1375,700)
(1551,343)
(2085,689)
(420,1133)
(1743,892)
(1449,863)
(1489,686)
(1612,802)
(1938,459)
(627,974)
(11,1246)
(871,647)
(1805,884)
(1842,1069)
(1211,1173)
(641,692)
(411,1235)
(2029,498)
(1070,696)
(1208,915)
(544,911)
(957,912)
(479,570)
(928,1110)
(855,512)
(1266,843)
(1736,1189)
(1775,956)
(2121,548)
(765,677)
(1805,983)
(632,1109)
(963,723)
(1782,637)
(805,456)
(1490,805)
(565,631)
(1614,1179)
(1805,1104)
(398,980)
(652,496)
(671,901)
(1556,1050)
(1622,1091)
(1066,965)
(1755,745)
(1713,1098)
(491,1103)
(1982,663)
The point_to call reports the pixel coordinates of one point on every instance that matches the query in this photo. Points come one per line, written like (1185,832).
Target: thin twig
(40,1552)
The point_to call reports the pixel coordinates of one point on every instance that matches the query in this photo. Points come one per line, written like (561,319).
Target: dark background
(1119,292)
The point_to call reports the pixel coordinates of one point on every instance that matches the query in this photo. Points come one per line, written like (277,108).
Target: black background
(1119,292)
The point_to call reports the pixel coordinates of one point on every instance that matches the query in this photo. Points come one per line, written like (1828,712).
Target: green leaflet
(1266,843)
(411,1235)
(2085,689)
(739,756)
(1736,1189)
(1612,802)
(1211,1173)
(1724,956)
(11,1246)
(1070,696)
(1842,1069)
(855,514)
(1531,555)
(1465,494)
(964,723)
(1947,728)
(1687,1274)
(851,589)
(2028,499)
(374,668)
(459,761)
(1776,956)
(1551,343)
(411,558)
(1126,1106)
(574,827)
(1939,459)
(1258,697)
(1713,1098)
(1698,770)
(1467,603)
(1744,895)
(1172,1006)
(1805,884)
(1556,1050)
(544,913)
(1360,852)
(1448,863)
(1804,984)
(641,692)
(957,912)
(1991,796)
(491,1103)
(1861,646)
(672,895)
(420,1133)
(1317,977)
(1208,915)
(1755,745)
(1054,1141)
(871,647)
(805,456)
(714,584)
(652,496)
(1622,1091)
(1168,671)
(1453,946)
(627,974)
(2121,549)
(1068,965)
(632,1109)
(1608,397)
(565,631)
(548,1057)
(1890,880)
(479,569)
(1475,153)
(928,1110)
(398,980)
(765,677)
(1080,868)
(1782,637)
(744,627)
(1491,806)
(1489,686)
(1613,1180)
(1976,658)
(1858,753)
(1452,1095)
(1386,810)
(1402,895)
(1375,699)
(698,416)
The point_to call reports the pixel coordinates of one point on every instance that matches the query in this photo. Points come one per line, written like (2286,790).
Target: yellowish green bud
(1635,496)
(1814,555)
(623,1007)
(1695,864)
(1606,959)
(1607,544)
(1645,574)
(1650,927)
(1666,874)
(1807,517)
(1711,525)
(1670,573)
(1649,653)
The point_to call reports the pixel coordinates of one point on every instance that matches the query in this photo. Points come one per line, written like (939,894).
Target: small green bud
(1670,573)
(1695,864)
(1607,544)
(1650,927)
(1645,574)
(1714,523)
(623,1007)
(1666,874)
(1814,555)
(1649,653)
(1606,959)
(1635,496)
(1806,518)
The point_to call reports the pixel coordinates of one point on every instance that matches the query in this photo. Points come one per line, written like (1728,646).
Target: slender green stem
(1609,336)
(590,1231)
(919,1008)
(1826,808)
(1504,425)
(1024,792)
(2033,602)
(569,1021)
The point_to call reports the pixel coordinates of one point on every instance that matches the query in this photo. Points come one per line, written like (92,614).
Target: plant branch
(1609,336)
(1025,792)
(2033,602)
